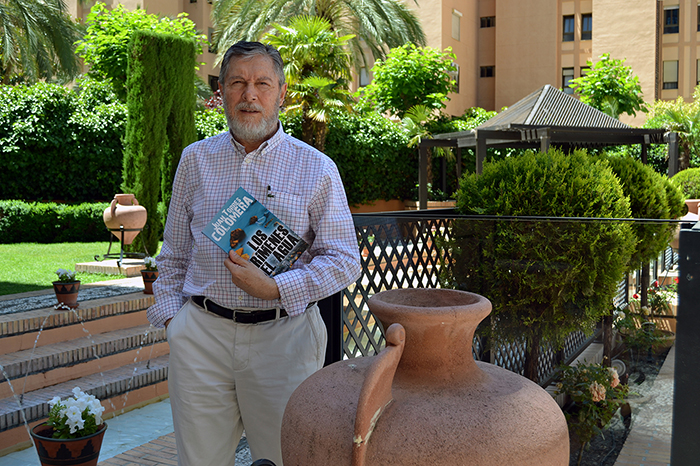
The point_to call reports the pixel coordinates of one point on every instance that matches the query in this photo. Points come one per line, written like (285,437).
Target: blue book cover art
(254,233)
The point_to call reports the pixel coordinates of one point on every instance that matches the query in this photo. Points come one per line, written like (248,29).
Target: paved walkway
(649,441)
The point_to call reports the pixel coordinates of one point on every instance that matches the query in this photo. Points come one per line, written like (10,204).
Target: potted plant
(73,433)
(149,274)
(595,394)
(66,289)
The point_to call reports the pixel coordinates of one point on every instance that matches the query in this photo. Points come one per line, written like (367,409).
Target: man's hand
(251,279)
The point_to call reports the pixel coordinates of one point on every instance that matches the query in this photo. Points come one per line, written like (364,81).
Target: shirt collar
(266,146)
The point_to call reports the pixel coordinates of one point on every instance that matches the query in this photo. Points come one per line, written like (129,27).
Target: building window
(567,74)
(697,73)
(212,49)
(584,70)
(671,74)
(364,77)
(488,21)
(214,83)
(454,75)
(456,19)
(698,17)
(586,27)
(568,28)
(671,20)
(487,71)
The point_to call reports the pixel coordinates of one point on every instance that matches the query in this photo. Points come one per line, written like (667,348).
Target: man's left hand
(251,279)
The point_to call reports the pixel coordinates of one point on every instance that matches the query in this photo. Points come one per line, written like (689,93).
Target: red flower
(655,284)
(635,296)
(675,280)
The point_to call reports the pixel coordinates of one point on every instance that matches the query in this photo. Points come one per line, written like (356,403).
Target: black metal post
(423,177)
(332,313)
(685,447)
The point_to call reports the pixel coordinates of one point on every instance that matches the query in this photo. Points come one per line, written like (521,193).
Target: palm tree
(380,24)
(317,69)
(685,120)
(38,40)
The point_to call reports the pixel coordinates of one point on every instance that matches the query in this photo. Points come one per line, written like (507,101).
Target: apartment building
(508,48)
(505,49)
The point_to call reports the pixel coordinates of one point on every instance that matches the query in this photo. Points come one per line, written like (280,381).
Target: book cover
(254,233)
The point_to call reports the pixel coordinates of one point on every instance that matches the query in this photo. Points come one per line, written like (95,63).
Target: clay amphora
(125,211)
(423,400)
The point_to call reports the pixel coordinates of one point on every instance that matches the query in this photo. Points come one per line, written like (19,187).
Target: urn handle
(375,394)
(113,207)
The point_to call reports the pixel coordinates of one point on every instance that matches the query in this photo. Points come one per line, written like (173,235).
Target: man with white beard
(241,341)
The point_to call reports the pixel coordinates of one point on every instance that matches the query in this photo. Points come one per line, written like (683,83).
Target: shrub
(545,279)
(651,196)
(688,181)
(372,156)
(60,144)
(596,394)
(210,123)
(34,222)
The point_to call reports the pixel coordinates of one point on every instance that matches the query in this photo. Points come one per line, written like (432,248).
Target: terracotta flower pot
(423,400)
(67,293)
(149,276)
(83,451)
(125,211)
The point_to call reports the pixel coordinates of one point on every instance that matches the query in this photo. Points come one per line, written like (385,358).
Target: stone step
(36,368)
(23,330)
(111,387)
(128,266)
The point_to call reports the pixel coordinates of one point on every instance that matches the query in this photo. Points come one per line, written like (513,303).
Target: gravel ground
(604,449)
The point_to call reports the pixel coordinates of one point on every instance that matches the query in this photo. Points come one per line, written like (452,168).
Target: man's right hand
(167,322)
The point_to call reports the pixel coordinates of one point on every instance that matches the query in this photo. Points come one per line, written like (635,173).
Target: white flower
(65,275)
(69,416)
(75,418)
(615,377)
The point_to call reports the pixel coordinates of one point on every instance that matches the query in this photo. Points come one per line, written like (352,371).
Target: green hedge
(688,181)
(371,153)
(58,144)
(48,222)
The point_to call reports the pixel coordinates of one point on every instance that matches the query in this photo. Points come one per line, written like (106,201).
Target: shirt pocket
(292,209)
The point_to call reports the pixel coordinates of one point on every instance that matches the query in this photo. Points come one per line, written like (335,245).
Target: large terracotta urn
(423,400)
(125,211)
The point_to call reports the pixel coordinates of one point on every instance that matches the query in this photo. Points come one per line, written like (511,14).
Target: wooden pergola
(547,117)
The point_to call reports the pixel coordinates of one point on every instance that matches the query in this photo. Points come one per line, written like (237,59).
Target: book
(254,233)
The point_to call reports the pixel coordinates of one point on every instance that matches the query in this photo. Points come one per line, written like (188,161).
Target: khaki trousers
(226,377)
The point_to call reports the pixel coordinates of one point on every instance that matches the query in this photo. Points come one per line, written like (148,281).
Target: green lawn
(32,266)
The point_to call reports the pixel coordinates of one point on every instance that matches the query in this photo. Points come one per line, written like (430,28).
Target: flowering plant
(65,275)
(150,263)
(76,416)
(596,393)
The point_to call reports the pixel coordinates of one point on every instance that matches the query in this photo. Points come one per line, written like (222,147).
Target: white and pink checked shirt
(295,182)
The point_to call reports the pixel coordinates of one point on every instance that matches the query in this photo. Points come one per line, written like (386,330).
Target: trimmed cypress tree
(161,104)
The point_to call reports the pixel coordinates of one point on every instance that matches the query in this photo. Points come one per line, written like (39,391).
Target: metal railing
(406,250)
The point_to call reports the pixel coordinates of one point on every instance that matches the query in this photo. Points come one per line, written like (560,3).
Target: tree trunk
(607,340)
(644,279)
(532,356)
(307,130)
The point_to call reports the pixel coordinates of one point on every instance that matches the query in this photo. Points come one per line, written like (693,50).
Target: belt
(239,315)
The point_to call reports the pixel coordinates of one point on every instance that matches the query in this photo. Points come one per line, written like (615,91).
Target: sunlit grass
(32,266)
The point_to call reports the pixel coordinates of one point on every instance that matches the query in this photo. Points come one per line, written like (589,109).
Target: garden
(66,150)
